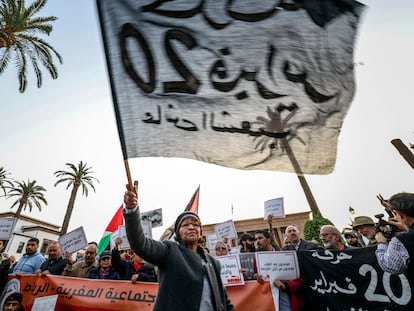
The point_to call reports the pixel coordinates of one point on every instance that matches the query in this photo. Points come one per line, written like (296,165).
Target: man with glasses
(83,268)
(331,238)
(189,279)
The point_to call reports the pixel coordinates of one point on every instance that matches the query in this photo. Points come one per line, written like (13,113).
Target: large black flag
(352,280)
(232,82)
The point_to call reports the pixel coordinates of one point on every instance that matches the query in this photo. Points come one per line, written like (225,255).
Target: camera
(387,229)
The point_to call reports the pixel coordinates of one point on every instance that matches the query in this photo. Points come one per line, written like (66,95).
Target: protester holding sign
(81,269)
(189,278)
(397,256)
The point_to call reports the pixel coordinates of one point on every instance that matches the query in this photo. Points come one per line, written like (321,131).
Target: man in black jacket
(54,264)
(296,243)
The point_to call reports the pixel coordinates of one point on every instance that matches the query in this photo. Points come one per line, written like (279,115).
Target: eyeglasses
(89,253)
(322,235)
(220,249)
(188,224)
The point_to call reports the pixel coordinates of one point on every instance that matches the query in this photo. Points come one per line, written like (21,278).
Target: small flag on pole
(192,206)
(117,220)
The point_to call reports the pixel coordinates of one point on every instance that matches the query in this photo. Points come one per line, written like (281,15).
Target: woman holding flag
(189,279)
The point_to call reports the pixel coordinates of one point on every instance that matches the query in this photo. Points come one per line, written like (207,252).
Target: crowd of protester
(394,255)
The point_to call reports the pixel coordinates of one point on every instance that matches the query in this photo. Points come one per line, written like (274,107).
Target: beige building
(279,225)
(26,228)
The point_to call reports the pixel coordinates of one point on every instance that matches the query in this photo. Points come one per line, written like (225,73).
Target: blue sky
(71,119)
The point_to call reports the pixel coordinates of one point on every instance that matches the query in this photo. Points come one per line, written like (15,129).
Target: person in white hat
(365,226)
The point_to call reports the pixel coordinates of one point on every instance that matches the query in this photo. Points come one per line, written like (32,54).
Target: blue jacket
(28,264)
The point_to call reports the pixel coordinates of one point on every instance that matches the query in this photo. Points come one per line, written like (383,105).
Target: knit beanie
(14,297)
(180,219)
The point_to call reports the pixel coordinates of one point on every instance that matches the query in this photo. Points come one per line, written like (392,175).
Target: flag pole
(128,172)
(404,151)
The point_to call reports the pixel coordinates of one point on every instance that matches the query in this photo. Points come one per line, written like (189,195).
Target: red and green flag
(116,221)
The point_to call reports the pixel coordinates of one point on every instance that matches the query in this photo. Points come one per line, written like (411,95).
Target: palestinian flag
(117,220)
(192,206)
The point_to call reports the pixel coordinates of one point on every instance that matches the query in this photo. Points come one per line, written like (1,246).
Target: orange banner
(85,294)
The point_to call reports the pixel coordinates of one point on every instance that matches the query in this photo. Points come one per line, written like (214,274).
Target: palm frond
(22,25)
(4,60)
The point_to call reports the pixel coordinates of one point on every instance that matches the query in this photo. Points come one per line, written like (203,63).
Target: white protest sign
(147,228)
(230,270)
(279,265)
(114,236)
(225,230)
(73,241)
(123,236)
(46,303)
(211,240)
(274,207)
(154,217)
(6,228)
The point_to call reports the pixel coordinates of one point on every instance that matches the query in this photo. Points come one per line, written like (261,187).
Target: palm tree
(5,182)
(18,25)
(28,194)
(77,176)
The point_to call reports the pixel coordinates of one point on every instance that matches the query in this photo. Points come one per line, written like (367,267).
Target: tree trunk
(69,210)
(19,209)
(305,186)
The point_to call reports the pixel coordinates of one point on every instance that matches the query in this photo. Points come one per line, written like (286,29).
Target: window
(20,247)
(45,246)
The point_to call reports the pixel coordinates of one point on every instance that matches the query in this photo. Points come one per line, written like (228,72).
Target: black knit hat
(14,297)
(180,219)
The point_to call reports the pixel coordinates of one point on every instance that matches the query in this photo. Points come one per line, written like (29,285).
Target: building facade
(252,225)
(26,228)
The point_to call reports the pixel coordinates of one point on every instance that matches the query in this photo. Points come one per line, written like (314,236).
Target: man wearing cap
(105,270)
(365,226)
(13,302)
(189,279)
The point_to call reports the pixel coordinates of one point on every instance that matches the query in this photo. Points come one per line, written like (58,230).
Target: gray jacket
(181,271)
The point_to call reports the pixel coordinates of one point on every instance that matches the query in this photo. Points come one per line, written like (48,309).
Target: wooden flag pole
(128,172)
(404,151)
(305,186)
